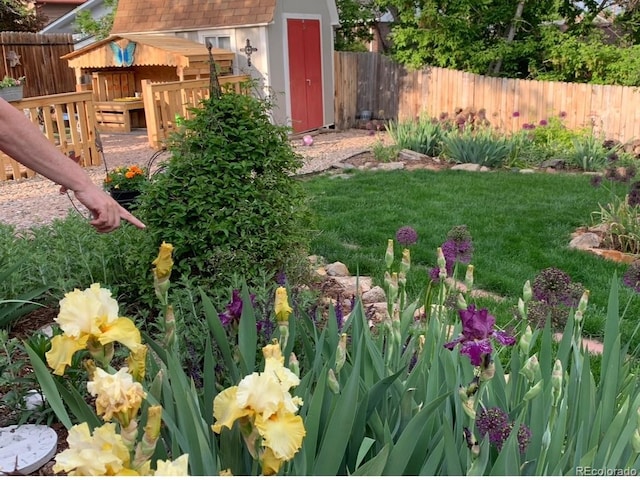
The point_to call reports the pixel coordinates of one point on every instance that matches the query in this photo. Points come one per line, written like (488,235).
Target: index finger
(129,217)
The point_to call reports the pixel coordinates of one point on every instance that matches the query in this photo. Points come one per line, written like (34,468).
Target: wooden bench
(116,116)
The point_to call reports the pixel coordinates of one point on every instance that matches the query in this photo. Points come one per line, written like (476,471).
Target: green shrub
(589,154)
(226,199)
(423,136)
(483,147)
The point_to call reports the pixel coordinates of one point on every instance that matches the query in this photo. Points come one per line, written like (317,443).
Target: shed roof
(150,50)
(170,15)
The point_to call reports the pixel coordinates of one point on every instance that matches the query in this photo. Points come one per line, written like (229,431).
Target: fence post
(151,114)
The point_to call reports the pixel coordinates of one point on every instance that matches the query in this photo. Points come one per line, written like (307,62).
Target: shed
(286,45)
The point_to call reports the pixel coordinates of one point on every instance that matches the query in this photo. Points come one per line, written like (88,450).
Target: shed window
(223,41)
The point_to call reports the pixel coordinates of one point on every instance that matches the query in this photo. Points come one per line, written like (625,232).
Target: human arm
(23,141)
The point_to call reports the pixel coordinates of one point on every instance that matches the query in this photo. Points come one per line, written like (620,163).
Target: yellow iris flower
(282,308)
(89,317)
(101,454)
(263,399)
(117,395)
(163,263)
(177,468)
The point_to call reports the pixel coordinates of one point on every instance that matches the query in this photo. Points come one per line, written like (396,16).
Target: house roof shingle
(135,16)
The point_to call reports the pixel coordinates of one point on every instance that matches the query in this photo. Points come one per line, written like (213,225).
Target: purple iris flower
(477,332)
(233,311)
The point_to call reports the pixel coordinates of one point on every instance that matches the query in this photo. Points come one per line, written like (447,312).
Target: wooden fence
(37,57)
(164,102)
(369,81)
(67,120)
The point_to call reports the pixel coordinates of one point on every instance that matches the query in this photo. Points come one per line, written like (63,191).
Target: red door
(305,74)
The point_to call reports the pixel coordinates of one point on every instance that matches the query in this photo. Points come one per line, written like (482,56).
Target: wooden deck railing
(163,102)
(67,120)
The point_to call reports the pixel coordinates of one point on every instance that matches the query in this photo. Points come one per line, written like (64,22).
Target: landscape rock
(469,167)
(527,170)
(585,241)
(375,295)
(348,285)
(556,163)
(387,167)
(411,156)
(337,269)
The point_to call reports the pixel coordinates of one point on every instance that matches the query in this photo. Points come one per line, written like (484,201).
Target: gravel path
(37,201)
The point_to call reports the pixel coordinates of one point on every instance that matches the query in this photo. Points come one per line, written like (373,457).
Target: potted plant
(124,184)
(11,89)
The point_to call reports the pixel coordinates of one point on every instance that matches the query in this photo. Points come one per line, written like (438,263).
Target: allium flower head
(495,422)
(633,198)
(515,114)
(543,122)
(477,332)
(553,286)
(631,277)
(406,236)
(596,181)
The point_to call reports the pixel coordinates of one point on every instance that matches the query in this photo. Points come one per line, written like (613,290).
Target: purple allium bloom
(554,287)
(477,331)
(631,172)
(516,114)
(406,236)
(495,422)
(611,173)
(458,247)
(633,199)
(631,277)
(524,435)
(596,181)
(434,274)
(233,311)
(543,122)
(281,278)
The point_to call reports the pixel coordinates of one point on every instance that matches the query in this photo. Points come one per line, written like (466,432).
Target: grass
(520,225)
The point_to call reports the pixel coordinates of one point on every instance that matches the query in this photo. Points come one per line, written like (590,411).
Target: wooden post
(151,114)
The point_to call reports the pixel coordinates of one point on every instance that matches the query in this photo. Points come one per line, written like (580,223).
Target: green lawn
(520,223)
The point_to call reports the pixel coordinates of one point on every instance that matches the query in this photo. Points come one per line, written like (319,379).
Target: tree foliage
(19,16)
(536,39)
(356,20)
(98,27)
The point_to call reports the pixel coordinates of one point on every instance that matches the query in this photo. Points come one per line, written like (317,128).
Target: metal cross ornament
(248,50)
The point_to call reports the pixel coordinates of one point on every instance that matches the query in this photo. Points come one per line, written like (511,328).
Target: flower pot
(126,198)
(12,94)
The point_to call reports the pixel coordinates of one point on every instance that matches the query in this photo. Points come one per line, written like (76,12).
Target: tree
(356,20)
(19,16)
(541,39)
(98,27)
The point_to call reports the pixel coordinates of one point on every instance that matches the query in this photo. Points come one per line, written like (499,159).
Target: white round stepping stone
(26,448)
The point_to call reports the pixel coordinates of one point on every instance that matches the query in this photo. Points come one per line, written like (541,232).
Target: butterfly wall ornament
(123,56)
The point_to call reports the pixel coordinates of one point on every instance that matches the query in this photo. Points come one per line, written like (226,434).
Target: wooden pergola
(115,68)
